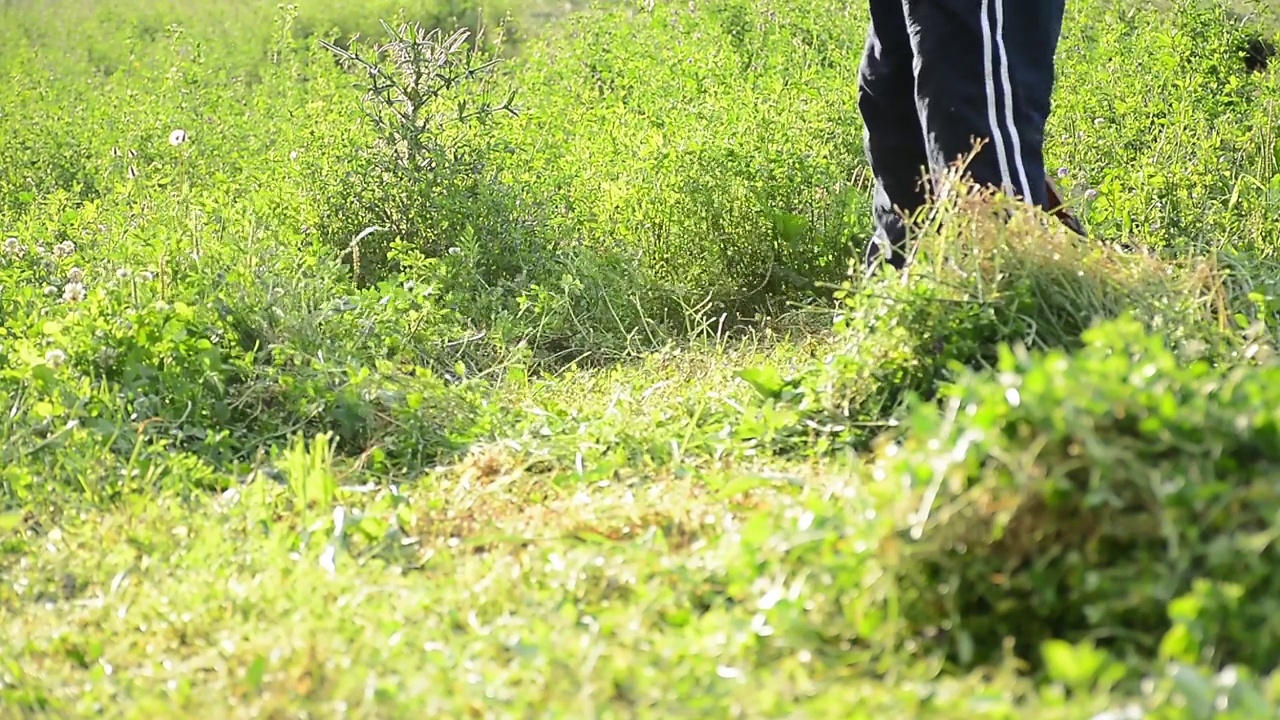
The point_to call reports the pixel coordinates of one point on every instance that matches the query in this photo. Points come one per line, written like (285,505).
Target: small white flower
(73,292)
(55,358)
(64,249)
(76,275)
(123,273)
(50,291)
(177,137)
(1091,195)
(1063,172)
(13,247)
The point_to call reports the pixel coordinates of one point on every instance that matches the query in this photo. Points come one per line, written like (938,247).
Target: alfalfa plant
(428,97)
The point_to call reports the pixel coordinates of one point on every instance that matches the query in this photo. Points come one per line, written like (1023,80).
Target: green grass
(343,406)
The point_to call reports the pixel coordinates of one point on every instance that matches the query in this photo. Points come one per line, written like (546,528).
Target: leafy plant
(1076,497)
(423,90)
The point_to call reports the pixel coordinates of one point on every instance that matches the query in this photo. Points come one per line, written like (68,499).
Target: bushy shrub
(1103,495)
(717,142)
(417,193)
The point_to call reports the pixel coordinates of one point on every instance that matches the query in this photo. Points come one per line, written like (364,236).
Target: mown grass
(319,400)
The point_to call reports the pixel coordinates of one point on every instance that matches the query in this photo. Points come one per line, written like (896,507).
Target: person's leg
(894,139)
(985,70)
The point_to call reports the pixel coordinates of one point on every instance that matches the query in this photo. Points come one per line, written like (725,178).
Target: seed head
(73,292)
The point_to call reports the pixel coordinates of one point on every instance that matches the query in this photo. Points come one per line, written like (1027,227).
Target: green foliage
(1157,115)
(424,173)
(1097,495)
(336,333)
(717,142)
(310,472)
(978,284)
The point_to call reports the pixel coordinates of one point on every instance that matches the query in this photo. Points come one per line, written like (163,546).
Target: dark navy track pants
(938,75)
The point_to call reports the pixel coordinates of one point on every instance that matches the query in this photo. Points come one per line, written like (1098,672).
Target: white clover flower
(64,249)
(55,358)
(177,137)
(75,275)
(123,273)
(73,292)
(13,247)
(1091,195)
(50,291)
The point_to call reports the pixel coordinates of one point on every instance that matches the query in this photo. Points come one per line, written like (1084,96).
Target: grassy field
(360,370)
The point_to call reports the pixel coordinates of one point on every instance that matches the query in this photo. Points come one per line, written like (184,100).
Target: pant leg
(893,137)
(985,69)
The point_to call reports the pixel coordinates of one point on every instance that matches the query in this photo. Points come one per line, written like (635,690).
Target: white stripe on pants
(993,118)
